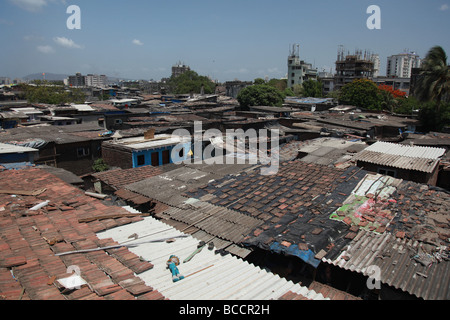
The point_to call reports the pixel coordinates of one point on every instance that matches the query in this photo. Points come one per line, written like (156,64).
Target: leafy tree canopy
(100,165)
(407,106)
(280,84)
(361,93)
(259,81)
(312,88)
(390,97)
(191,82)
(260,95)
(434,81)
(53,94)
(298,90)
(433,118)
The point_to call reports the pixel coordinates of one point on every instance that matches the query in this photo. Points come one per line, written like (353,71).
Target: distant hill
(48,76)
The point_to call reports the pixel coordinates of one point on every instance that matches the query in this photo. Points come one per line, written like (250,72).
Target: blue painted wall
(148,155)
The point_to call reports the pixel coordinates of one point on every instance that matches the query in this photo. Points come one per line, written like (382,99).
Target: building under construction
(179,68)
(360,65)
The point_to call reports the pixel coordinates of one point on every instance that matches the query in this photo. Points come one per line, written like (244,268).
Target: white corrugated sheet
(10,148)
(397,161)
(406,151)
(225,277)
(83,107)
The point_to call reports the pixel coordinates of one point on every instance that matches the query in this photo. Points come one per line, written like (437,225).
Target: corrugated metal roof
(218,221)
(208,275)
(393,257)
(398,161)
(10,148)
(168,187)
(406,151)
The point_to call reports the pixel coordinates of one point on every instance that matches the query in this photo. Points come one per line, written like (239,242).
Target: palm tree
(388,101)
(434,81)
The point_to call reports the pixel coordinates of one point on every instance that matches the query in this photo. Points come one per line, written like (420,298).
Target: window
(141,160)
(387,172)
(83,152)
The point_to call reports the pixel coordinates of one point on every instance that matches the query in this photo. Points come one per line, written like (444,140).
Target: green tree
(100,165)
(258,81)
(53,94)
(434,81)
(407,106)
(361,93)
(298,90)
(288,92)
(312,88)
(191,82)
(433,118)
(260,95)
(77,95)
(280,84)
(388,102)
(334,94)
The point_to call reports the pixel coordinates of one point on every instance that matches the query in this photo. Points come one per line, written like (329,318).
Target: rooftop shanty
(141,143)
(415,163)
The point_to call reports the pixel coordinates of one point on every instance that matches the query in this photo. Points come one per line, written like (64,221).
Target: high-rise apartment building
(5,80)
(77,80)
(298,70)
(401,65)
(376,65)
(94,80)
(91,80)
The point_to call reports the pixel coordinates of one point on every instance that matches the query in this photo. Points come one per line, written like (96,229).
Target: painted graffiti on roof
(368,206)
(235,147)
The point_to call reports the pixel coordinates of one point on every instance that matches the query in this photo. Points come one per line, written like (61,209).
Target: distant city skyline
(224,40)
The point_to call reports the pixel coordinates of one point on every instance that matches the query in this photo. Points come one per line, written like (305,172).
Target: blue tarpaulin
(16,165)
(293,250)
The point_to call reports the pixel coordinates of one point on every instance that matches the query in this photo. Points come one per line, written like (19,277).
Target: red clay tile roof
(327,291)
(330,292)
(119,178)
(30,240)
(293,296)
(104,106)
(294,204)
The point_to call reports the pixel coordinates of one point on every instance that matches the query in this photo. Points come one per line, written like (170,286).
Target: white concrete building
(94,80)
(376,65)
(298,70)
(400,65)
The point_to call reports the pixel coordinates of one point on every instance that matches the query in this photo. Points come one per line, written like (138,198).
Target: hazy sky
(223,39)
